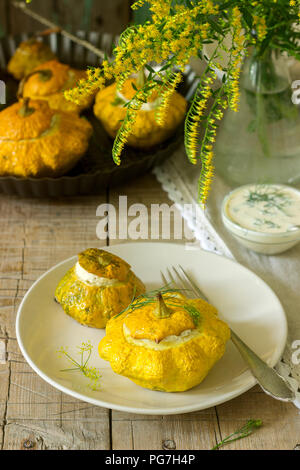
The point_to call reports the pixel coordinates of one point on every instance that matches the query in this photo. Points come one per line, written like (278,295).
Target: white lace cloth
(281,272)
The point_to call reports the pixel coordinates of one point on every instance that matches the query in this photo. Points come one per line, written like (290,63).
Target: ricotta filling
(166,343)
(92,279)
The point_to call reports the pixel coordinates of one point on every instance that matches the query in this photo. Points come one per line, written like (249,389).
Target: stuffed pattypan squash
(109,109)
(49,81)
(29,55)
(169,343)
(98,287)
(36,141)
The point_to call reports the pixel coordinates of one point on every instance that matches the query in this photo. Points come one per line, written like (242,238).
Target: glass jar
(261,142)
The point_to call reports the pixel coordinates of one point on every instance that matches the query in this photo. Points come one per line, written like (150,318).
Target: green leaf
(215,26)
(194,313)
(247,17)
(149,68)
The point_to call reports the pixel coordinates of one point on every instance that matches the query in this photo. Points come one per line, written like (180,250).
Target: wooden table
(37,234)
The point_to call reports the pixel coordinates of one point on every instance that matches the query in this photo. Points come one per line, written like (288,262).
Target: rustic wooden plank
(10,261)
(4,380)
(56,435)
(192,431)
(36,235)
(31,411)
(51,420)
(8,307)
(281,422)
(4,387)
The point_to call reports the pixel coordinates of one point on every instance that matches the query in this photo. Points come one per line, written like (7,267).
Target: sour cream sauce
(265,208)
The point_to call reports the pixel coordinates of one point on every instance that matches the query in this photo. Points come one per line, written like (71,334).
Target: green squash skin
(92,305)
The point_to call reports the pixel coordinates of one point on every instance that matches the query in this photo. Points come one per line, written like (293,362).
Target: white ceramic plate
(244,301)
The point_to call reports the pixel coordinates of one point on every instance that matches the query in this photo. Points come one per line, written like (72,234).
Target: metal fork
(269,380)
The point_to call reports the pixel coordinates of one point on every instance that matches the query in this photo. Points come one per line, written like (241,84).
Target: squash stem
(162,311)
(25,110)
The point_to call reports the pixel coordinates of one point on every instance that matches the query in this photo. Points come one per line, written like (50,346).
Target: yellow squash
(36,141)
(98,287)
(168,344)
(28,56)
(109,109)
(54,78)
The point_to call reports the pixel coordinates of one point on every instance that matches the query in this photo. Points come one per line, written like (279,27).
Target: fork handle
(270,381)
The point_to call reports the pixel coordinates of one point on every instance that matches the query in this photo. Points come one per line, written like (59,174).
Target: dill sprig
(194,313)
(245,431)
(85,351)
(150,297)
(270,198)
(265,222)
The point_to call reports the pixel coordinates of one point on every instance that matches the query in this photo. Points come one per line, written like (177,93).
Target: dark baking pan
(96,170)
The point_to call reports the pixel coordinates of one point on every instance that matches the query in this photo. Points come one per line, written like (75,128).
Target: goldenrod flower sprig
(206,151)
(197,122)
(165,95)
(195,117)
(141,96)
(170,41)
(178,31)
(196,113)
(235,61)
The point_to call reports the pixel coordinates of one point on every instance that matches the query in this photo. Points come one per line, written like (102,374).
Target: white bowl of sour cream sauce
(263,217)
